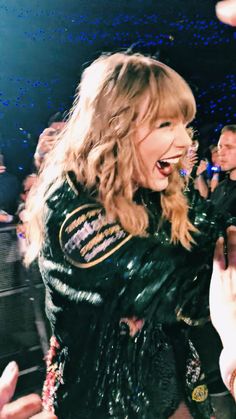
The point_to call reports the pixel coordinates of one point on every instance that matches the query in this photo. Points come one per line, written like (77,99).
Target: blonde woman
(109,225)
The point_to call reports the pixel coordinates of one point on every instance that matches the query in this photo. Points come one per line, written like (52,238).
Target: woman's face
(160,149)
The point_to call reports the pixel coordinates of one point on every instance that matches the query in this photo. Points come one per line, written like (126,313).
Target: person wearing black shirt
(9,194)
(224,196)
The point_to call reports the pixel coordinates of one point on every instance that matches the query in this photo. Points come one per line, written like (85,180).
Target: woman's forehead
(163,107)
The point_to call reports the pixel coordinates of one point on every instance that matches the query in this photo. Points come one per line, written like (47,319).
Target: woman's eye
(165,124)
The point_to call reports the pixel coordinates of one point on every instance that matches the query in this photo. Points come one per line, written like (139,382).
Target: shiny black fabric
(107,373)
(224,196)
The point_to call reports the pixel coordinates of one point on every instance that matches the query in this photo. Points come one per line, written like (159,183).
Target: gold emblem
(87,238)
(200,393)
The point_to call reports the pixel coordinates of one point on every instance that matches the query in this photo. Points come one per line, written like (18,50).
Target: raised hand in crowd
(226,11)
(46,141)
(191,158)
(23,408)
(5,217)
(202,167)
(200,183)
(48,137)
(223,304)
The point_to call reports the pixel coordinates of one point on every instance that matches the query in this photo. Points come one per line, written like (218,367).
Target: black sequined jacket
(96,275)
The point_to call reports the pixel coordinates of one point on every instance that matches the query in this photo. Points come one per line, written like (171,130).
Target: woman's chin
(158,185)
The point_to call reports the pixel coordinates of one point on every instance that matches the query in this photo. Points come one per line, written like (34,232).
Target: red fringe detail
(53,376)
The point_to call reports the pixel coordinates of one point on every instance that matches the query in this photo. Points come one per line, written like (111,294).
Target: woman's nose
(182,137)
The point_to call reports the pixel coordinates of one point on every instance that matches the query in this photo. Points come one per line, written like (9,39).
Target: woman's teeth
(166,166)
(161,164)
(166,162)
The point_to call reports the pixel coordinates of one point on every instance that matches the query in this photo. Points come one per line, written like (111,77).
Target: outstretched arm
(223,305)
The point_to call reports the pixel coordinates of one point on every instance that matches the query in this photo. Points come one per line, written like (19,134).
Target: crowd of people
(125,223)
(13,217)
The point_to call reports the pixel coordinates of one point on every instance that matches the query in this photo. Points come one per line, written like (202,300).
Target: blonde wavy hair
(97,144)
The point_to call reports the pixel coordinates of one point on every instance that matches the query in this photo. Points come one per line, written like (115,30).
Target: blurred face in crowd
(215,157)
(227,151)
(27,185)
(160,148)
(58,126)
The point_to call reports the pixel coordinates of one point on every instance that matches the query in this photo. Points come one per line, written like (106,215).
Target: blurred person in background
(48,137)
(22,212)
(9,194)
(208,173)
(224,195)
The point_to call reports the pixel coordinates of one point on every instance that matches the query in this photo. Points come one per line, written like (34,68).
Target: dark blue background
(46,44)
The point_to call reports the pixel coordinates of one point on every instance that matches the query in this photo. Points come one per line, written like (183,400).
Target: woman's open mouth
(166,166)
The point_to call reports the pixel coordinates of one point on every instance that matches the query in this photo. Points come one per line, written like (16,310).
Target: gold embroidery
(99,238)
(83,264)
(191,322)
(99,260)
(200,393)
(81,220)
